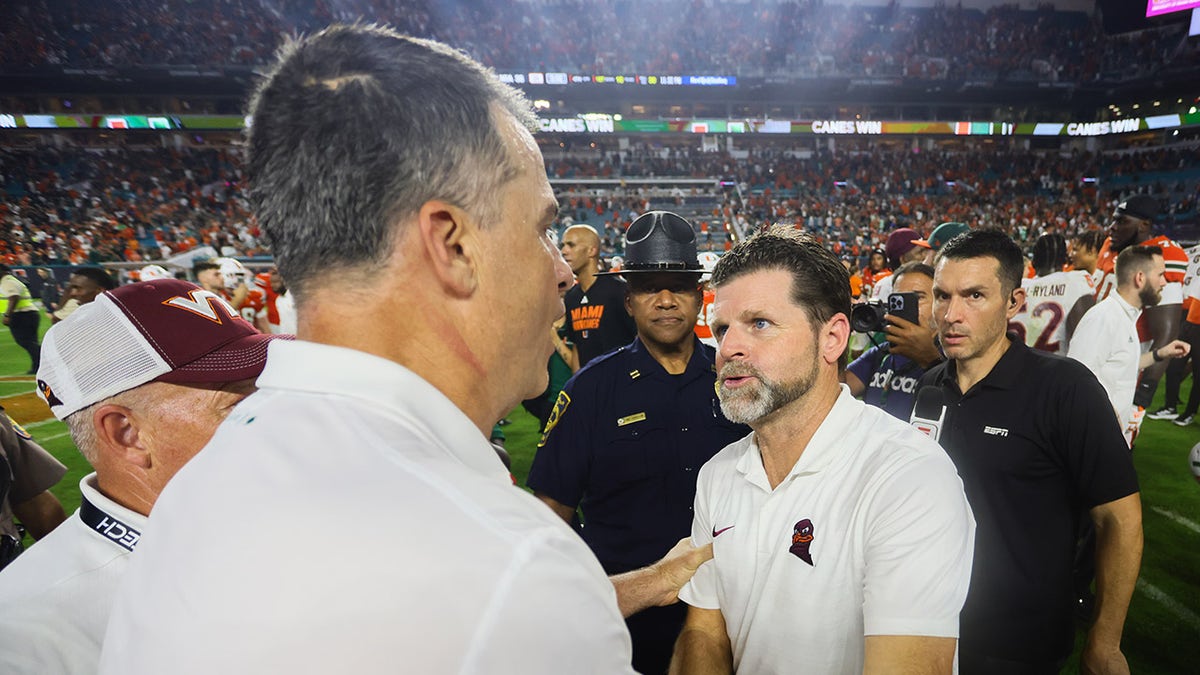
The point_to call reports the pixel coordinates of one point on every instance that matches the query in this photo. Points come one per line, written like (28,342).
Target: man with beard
(630,431)
(1106,340)
(1132,223)
(842,539)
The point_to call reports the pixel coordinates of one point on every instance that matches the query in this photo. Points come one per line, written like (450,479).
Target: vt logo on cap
(203,303)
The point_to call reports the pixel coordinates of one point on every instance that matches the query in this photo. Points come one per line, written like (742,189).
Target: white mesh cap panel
(96,353)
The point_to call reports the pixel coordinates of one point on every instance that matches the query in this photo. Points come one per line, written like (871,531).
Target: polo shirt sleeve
(560,467)
(919,548)
(701,590)
(1095,454)
(527,628)
(9,286)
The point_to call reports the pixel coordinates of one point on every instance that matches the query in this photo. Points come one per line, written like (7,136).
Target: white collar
(822,448)
(1130,311)
(107,519)
(384,386)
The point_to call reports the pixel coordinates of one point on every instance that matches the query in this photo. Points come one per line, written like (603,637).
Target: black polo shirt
(1037,445)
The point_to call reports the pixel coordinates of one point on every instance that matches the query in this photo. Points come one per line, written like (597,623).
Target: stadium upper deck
(797,39)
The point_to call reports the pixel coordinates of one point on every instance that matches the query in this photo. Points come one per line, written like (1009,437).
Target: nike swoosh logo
(717,533)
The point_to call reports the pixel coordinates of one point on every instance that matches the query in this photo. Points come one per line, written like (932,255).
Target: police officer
(631,430)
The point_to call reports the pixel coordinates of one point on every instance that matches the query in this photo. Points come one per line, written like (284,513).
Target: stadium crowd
(803,38)
(62,206)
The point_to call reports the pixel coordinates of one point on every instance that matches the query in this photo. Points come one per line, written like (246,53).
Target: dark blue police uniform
(625,442)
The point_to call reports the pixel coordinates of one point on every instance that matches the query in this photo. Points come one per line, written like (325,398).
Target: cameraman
(886,375)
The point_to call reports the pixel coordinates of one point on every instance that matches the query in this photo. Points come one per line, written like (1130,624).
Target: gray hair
(357,126)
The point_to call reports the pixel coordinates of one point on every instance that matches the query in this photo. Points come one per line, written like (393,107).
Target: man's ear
(118,436)
(834,336)
(448,236)
(1015,302)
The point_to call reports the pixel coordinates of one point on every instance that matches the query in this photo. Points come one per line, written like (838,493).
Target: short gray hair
(83,431)
(357,126)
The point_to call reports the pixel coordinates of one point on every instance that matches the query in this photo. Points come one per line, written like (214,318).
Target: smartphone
(904,305)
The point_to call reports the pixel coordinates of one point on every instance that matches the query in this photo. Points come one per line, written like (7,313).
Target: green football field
(1162,634)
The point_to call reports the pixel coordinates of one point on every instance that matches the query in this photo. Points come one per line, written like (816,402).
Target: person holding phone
(886,375)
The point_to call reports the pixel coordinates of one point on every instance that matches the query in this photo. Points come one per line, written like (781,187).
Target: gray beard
(749,404)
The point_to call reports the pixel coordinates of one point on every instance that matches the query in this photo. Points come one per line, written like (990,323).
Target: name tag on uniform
(630,419)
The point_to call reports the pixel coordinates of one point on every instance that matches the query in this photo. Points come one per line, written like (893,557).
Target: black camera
(867,317)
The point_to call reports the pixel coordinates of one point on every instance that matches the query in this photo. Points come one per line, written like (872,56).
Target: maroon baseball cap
(155,331)
(899,242)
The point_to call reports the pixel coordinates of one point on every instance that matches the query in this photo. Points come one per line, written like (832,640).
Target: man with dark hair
(84,284)
(417,243)
(596,322)
(1107,337)
(1055,300)
(1085,251)
(839,533)
(1038,450)
(20,315)
(886,375)
(630,431)
(1133,224)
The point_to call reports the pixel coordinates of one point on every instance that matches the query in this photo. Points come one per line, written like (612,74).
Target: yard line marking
(1170,603)
(1171,515)
(34,425)
(55,436)
(20,393)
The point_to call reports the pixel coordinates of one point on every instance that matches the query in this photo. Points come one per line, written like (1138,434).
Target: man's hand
(912,340)
(679,565)
(1175,349)
(7,318)
(658,585)
(1102,660)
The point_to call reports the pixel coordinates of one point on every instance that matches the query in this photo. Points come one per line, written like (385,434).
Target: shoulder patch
(560,407)
(20,430)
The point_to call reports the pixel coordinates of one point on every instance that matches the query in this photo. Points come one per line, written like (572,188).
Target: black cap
(660,241)
(1139,206)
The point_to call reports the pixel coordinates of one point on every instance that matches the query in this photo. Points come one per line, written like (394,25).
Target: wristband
(1157,358)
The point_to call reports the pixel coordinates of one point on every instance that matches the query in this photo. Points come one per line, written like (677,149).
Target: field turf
(1162,633)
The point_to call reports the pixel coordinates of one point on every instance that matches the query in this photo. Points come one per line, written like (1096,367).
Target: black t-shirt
(597,322)
(1037,445)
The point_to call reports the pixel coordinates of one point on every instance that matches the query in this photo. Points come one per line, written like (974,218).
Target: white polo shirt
(1106,341)
(56,597)
(348,517)
(892,539)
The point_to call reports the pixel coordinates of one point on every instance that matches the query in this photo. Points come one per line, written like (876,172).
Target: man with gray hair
(417,242)
(142,376)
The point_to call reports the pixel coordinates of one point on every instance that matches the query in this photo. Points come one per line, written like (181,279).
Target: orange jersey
(1176,260)
(703,330)
(255,301)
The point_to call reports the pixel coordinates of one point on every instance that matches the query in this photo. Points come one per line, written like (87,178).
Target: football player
(1055,300)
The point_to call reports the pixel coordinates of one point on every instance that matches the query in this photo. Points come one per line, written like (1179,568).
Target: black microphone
(929,412)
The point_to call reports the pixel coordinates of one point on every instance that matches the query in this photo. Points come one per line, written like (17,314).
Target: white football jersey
(1042,321)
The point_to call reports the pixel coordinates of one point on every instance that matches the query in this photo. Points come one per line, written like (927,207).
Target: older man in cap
(631,430)
(143,375)
(1132,225)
